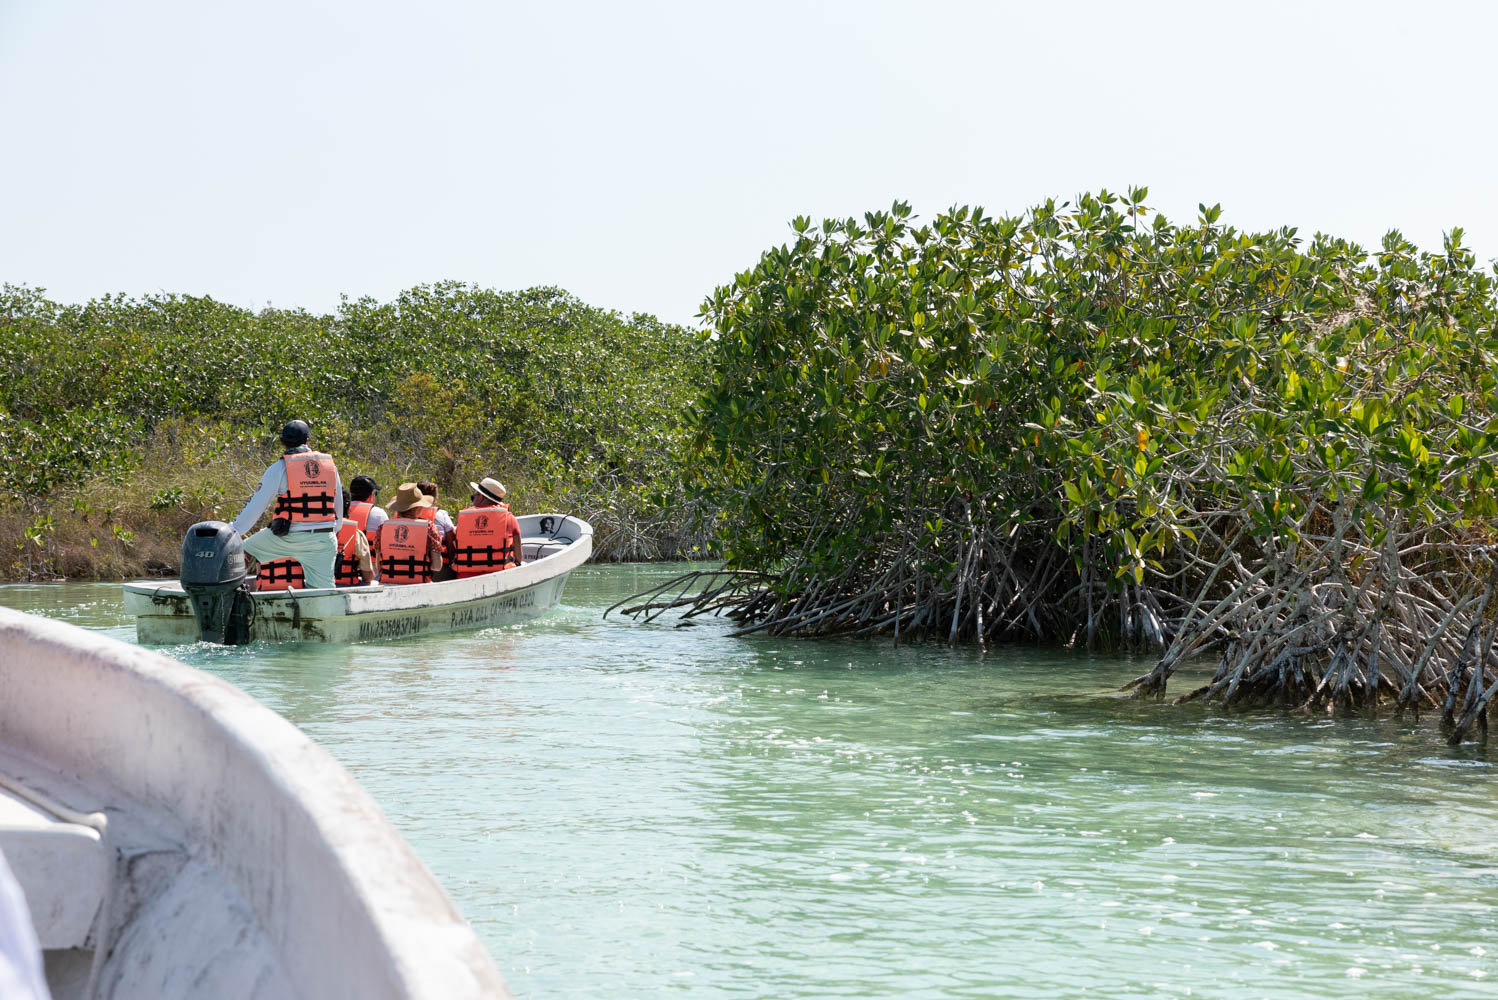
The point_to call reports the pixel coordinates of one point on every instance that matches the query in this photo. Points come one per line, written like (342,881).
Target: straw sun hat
(408,496)
(491,488)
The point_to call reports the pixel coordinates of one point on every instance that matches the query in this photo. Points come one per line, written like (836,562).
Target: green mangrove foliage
(1091,425)
(574,406)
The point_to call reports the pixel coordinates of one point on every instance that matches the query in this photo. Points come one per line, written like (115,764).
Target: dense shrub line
(173,399)
(1090,424)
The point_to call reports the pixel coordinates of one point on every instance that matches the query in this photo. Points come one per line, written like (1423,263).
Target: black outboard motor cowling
(213,575)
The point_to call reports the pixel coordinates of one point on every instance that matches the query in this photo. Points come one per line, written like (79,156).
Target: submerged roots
(1327,624)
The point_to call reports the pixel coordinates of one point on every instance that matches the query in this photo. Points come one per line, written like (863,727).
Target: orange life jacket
(310,482)
(403,551)
(279,574)
(346,564)
(484,545)
(358,512)
(425,513)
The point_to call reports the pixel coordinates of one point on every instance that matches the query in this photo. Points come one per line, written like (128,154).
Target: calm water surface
(630,811)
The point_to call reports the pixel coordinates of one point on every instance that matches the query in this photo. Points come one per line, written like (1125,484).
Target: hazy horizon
(638,157)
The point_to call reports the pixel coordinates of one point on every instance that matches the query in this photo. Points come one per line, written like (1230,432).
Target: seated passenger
(407,548)
(486,538)
(366,508)
(435,514)
(353,567)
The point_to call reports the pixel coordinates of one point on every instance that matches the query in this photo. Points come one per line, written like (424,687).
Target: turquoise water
(632,811)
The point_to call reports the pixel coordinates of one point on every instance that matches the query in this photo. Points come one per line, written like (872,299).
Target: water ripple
(628,811)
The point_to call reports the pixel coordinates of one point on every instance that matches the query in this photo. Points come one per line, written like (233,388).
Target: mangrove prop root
(1332,626)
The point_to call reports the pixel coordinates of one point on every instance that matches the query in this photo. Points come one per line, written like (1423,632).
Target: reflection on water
(626,811)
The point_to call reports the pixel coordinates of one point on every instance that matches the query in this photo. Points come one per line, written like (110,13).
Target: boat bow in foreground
(177,839)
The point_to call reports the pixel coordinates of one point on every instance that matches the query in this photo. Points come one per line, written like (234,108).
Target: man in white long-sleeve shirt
(308,494)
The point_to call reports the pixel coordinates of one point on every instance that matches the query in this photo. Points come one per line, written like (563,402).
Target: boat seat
(539,546)
(62,868)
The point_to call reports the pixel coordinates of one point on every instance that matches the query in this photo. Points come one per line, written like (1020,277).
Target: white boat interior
(176,839)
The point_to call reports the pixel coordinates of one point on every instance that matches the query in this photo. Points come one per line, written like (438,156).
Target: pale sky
(638,154)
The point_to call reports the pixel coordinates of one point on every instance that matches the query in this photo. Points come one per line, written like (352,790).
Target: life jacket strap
(308,505)
(286,572)
(346,571)
(405,566)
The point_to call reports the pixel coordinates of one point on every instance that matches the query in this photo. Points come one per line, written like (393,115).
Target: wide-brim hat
(491,488)
(408,496)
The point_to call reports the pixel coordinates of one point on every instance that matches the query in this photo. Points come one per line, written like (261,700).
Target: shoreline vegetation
(123,421)
(1093,426)
(1085,425)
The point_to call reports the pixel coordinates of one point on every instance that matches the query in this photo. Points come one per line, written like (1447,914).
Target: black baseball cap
(364,486)
(295,433)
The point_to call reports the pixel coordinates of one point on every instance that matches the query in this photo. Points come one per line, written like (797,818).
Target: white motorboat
(166,612)
(176,839)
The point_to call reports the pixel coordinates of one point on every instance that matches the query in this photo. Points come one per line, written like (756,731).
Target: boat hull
(163,613)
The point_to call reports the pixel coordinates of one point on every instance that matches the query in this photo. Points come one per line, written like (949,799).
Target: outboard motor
(213,575)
